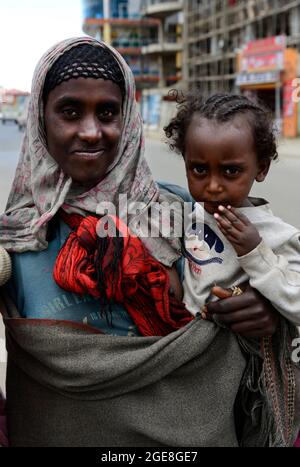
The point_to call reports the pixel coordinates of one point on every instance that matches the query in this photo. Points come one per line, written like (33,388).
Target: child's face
(221,162)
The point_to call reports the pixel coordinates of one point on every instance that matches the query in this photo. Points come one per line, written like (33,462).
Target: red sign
(269,44)
(263,55)
(288,103)
(265,62)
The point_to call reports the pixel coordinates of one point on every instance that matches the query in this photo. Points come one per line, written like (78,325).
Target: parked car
(9,114)
(14,107)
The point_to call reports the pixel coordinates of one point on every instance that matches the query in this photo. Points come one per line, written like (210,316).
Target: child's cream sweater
(273,267)
(5,266)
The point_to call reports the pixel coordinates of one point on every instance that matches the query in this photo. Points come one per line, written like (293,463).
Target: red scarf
(118,269)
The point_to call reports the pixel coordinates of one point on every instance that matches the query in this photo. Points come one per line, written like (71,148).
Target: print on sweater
(201,245)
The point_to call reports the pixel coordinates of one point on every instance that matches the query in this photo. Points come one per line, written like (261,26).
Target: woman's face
(83,121)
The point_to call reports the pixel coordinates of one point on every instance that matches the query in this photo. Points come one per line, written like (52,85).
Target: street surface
(281,187)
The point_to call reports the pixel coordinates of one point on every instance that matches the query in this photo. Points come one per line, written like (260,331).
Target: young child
(227,143)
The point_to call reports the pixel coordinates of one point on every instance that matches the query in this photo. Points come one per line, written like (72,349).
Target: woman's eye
(106,114)
(70,113)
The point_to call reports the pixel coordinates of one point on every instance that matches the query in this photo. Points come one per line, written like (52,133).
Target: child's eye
(200,170)
(232,170)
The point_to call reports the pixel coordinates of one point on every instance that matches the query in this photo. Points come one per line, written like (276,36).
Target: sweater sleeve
(5,266)
(277,275)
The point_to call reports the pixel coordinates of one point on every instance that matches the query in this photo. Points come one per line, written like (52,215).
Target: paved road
(281,187)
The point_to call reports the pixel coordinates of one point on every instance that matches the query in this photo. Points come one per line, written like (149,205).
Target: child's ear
(263,169)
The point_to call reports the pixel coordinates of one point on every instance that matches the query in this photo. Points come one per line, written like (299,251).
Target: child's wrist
(251,246)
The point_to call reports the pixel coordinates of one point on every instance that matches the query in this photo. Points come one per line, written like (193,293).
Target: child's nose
(214,185)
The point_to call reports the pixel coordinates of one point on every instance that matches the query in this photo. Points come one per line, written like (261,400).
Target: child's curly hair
(222,108)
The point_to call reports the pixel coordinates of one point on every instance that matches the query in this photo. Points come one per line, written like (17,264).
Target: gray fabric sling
(70,385)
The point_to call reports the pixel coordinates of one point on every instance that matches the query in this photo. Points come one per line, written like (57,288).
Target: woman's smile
(88,155)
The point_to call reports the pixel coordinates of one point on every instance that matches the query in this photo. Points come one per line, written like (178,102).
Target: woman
(77,376)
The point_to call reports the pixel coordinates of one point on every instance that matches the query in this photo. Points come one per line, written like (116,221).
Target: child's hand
(238,230)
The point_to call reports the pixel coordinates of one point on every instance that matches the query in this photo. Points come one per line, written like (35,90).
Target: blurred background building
(118,22)
(148,33)
(246,46)
(166,51)
(166,47)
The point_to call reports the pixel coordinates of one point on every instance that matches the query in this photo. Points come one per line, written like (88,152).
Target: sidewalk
(287,147)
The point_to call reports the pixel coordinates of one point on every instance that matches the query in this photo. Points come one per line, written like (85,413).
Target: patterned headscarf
(40,187)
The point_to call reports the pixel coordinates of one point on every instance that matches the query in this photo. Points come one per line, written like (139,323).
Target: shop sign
(263,55)
(267,45)
(264,62)
(257,78)
(290,110)
(288,103)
